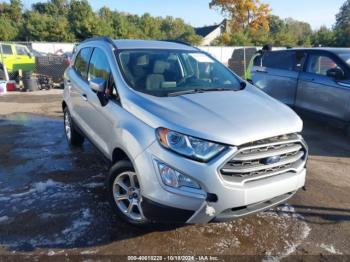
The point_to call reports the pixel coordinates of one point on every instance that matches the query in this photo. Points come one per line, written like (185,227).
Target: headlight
(191,147)
(173,178)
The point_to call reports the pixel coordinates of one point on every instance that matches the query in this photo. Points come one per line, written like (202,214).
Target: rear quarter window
(279,60)
(81,64)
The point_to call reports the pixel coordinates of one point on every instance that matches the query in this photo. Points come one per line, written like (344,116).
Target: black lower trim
(164,214)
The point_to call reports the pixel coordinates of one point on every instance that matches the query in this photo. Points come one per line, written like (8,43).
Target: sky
(197,12)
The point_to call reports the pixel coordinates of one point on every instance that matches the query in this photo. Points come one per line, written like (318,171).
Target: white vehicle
(188,140)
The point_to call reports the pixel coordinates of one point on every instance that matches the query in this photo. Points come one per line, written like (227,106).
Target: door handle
(84,97)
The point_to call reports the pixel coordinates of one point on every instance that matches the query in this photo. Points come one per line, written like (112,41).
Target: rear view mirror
(97,84)
(336,73)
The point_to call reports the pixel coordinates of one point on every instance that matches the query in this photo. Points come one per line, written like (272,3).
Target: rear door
(278,74)
(99,116)
(24,60)
(78,86)
(320,93)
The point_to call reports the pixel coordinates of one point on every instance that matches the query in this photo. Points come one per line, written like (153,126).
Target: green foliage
(7,30)
(323,37)
(283,33)
(74,20)
(342,26)
(82,19)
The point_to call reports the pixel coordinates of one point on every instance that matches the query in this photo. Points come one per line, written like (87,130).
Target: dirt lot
(53,202)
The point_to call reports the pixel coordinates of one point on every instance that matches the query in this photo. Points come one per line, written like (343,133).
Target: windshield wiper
(186,92)
(195,91)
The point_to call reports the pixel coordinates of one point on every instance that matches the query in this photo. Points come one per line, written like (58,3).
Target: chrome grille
(254,160)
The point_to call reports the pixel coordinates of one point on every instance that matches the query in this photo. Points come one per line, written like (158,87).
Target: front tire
(73,137)
(124,193)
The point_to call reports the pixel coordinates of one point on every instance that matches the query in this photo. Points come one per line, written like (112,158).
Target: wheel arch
(119,154)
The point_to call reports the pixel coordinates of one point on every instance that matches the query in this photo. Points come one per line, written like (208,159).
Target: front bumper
(234,200)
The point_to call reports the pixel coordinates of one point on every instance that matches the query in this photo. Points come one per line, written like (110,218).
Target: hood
(232,118)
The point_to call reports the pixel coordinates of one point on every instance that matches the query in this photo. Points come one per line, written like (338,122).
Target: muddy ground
(53,201)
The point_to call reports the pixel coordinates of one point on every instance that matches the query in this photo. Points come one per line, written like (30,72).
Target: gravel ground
(53,202)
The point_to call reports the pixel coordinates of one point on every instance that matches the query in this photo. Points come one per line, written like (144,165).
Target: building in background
(210,33)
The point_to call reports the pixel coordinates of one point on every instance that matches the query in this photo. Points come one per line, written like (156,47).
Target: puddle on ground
(53,197)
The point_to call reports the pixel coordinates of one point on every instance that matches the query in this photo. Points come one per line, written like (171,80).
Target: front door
(24,60)
(321,93)
(78,86)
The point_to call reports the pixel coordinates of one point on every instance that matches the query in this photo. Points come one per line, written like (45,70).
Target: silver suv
(187,139)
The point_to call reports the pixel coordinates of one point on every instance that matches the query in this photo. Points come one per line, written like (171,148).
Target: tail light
(10,86)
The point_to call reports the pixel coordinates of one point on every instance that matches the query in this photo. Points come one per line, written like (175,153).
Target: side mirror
(98,84)
(336,73)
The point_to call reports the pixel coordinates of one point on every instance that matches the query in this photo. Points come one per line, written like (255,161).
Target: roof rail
(101,38)
(180,42)
(176,41)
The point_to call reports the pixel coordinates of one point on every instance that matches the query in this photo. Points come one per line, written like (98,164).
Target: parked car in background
(315,80)
(188,140)
(16,57)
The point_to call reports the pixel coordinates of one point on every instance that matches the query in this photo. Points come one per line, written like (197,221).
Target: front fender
(130,134)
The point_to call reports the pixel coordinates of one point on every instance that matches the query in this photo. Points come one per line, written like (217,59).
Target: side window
(7,50)
(279,60)
(20,50)
(100,68)
(81,63)
(320,64)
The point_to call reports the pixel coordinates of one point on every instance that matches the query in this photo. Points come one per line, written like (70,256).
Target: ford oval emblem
(272,160)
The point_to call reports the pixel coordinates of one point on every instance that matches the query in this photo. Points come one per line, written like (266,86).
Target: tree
(342,25)
(7,30)
(82,19)
(175,28)
(244,14)
(301,31)
(43,27)
(323,37)
(105,22)
(52,8)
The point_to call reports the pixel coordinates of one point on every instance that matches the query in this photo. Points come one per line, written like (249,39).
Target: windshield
(166,72)
(345,56)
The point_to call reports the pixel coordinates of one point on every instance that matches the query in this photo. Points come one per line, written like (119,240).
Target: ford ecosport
(187,139)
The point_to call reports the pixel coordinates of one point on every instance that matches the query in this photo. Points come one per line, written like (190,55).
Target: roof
(151,44)
(327,49)
(206,30)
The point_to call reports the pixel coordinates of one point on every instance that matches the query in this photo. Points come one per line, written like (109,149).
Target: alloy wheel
(127,195)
